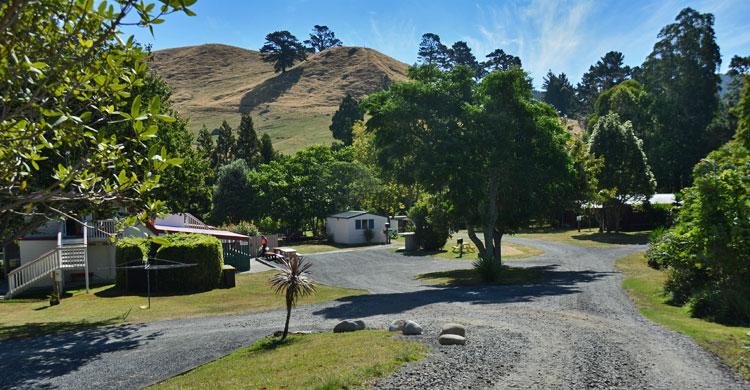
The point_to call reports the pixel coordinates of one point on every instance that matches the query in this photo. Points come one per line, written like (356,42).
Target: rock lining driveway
(577,329)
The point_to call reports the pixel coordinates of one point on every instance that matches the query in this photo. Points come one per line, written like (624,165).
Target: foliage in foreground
(708,251)
(314,361)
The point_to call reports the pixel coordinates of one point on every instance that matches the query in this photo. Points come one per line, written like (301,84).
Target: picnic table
(285,251)
(464,248)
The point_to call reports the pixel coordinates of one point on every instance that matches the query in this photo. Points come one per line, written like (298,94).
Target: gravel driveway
(577,329)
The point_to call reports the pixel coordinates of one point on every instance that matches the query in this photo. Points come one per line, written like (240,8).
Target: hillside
(215,82)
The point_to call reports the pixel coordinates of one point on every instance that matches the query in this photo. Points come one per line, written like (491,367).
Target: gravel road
(577,329)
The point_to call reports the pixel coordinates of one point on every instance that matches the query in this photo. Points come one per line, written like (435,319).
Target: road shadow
(553,283)
(28,362)
(640,238)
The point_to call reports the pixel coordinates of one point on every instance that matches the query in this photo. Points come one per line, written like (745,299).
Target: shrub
(242,227)
(204,251)
(708,250)
(430,219)
(268,225)
(488,269)
(127,250)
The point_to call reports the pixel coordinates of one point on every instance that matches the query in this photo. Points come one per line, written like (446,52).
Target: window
(362,224)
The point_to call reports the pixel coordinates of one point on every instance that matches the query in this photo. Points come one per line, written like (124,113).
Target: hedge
(127,250)
(203,250)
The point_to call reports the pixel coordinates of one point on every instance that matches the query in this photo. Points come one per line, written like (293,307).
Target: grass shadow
(639,238)
(42,328)
(272,343)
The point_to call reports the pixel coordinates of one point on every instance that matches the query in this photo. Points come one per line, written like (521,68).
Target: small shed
(349,227)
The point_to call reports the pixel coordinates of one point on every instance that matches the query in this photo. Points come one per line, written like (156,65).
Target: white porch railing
(192,222)
(101,229)
(68,257)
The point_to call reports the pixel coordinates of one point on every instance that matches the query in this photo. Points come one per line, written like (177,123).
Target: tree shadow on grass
(29,362)
(471,277)
(640,238)
(552,283)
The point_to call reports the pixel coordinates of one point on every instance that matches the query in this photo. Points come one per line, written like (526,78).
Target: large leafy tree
(226,145)
(631,102)
(559,92)
(322,38)
(625,175)
(343,120)
(248,145)
(496,154)
(432,51)
(680,74)
(283,50)
(604,74)
(73,134)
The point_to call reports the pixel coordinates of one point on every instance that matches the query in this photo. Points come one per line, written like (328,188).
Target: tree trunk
(288,316)
(490,219)
(476,241)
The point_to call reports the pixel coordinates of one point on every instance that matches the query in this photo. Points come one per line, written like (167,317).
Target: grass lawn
(589,237)
(314,361)
(104,306)
(644,285)
(470,277)
(508,251)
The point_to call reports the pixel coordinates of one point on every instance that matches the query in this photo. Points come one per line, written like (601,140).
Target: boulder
(349,326)
(396,326)
(411,328)
(451,339)
(452,328)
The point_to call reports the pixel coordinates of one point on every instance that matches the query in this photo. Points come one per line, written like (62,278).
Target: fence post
(86,256)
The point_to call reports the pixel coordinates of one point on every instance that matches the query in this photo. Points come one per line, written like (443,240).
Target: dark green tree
(343,120)
(283,50)
(267,153)
(500,60)
(604,74)
(322,38)
(204,144)
(559,92)
(226,145)
(681,75)
(248,145)
(432,51)
(625,175)
(234,195)
(460,54)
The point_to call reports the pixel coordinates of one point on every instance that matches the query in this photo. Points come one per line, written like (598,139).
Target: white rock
(412,328)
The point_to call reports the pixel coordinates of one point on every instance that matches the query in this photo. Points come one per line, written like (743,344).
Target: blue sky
(565,36)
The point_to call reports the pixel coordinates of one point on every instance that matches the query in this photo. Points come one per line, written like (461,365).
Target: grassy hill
(216,82)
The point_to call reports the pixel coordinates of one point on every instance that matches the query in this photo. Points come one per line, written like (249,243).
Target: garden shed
(349,227)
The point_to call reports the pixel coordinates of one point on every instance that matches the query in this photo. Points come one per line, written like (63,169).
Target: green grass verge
(105,306)
(317,246)
(314,361)
(645,287)
(589,237)
(470,277)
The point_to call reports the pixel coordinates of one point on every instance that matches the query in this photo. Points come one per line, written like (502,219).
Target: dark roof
(348,214)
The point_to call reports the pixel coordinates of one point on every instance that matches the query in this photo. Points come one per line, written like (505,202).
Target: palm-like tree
(295,282)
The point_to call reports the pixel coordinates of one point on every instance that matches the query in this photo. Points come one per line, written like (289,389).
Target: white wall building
(349,227)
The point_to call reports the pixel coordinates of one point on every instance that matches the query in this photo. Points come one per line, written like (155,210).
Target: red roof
(227,235)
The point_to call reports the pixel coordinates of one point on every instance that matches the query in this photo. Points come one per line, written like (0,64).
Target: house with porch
(85,252)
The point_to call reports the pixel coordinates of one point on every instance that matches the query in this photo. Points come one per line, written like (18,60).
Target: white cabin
(349,227)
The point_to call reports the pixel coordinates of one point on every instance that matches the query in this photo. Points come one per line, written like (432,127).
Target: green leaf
(165,118)
(154,106)
(135,108)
